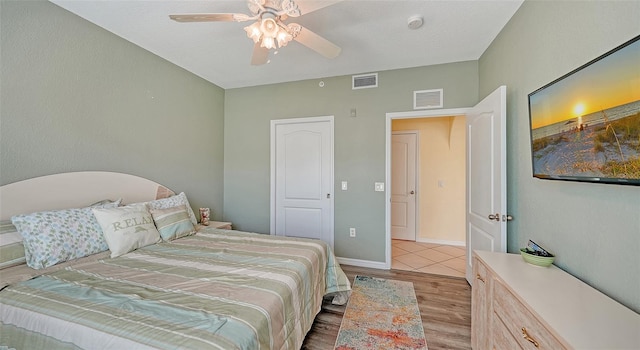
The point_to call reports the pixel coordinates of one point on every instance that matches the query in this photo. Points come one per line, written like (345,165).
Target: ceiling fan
(269,30)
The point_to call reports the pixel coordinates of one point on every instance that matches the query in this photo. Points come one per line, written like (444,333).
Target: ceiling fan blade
(317,43)
(310,6)
(211,17)
(260,55)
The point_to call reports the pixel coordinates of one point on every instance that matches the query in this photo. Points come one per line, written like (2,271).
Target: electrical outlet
(352,232)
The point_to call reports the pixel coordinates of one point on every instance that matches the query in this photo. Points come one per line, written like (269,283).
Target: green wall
(594,229)
(75,97)
(359,145)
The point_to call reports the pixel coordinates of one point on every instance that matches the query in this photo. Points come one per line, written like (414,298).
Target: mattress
(216,289)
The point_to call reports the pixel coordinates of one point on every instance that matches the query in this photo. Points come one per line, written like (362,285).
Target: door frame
(272,199)
(417,181)
(389,118)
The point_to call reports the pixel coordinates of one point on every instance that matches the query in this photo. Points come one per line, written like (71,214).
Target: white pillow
(127,228)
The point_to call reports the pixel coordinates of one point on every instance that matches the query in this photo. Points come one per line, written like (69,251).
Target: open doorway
(428,194)
(486,174)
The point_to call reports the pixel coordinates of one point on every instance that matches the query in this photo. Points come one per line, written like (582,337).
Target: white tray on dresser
(518,305)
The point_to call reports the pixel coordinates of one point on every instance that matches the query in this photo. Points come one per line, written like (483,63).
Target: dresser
(516,305)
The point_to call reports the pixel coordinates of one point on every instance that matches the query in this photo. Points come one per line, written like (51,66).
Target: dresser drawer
(480,306)
(502,338)
(521,323)
(480,270)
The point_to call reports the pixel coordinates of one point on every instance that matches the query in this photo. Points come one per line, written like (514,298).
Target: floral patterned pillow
(51,237)
(174,201)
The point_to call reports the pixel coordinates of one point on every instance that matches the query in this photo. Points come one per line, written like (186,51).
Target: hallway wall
(441,181)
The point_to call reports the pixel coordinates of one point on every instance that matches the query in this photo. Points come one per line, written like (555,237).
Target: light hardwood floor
(444,302)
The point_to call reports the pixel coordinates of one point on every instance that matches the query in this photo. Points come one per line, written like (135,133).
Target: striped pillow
(173,222)
(171,202)
(11,247)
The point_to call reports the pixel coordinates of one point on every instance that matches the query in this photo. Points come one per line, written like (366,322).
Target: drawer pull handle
(480,277)
(526,336)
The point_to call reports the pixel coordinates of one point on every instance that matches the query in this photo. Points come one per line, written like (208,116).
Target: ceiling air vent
(426,99)
(364,81)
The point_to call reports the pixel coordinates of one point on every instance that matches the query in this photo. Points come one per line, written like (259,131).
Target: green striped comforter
(216,290)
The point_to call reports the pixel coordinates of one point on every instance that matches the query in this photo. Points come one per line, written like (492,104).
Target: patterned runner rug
(381,314)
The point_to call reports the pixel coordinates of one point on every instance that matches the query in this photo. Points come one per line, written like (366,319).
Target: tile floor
(427,257)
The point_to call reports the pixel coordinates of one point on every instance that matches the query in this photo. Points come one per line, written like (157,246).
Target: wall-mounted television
(585,125)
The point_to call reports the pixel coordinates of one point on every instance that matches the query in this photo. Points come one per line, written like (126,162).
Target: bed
(212,288)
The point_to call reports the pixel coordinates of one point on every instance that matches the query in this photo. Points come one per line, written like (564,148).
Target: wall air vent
(364,81)
(426,99)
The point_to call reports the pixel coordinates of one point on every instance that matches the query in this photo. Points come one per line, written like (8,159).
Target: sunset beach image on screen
(585,126)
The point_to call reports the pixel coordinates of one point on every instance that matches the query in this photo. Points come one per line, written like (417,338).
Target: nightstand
(220,224)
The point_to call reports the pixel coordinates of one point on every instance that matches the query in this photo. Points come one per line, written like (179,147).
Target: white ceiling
(373,35)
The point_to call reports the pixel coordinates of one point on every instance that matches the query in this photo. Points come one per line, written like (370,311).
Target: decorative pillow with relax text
(173,222)
(127,228)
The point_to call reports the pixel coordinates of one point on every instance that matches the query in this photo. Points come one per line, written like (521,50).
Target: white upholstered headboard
(75,190)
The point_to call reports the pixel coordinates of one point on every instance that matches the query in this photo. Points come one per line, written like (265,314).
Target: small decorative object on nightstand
(221,224)
(205,214)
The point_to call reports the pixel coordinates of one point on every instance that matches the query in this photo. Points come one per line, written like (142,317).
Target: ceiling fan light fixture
(253,32)
(269,32)
(268,42)
(269,27)
(283,38)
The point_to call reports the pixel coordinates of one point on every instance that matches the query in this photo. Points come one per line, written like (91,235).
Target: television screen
(585,125)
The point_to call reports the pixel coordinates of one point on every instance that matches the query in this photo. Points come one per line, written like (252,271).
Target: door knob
(412,192)
(495,217)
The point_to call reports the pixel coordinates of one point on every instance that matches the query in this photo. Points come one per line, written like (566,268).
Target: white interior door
(403,185)
(486,176)
(302,178)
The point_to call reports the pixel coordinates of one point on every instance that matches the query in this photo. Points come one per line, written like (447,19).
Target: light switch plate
(379,187)
(344,185)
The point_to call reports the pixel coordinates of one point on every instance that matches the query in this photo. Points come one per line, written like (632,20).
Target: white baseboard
(441,241)
(362,263)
